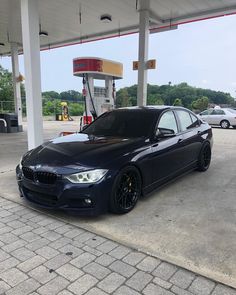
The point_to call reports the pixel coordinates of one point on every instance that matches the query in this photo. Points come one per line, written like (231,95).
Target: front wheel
(204,158)
(224,124)
(126,190)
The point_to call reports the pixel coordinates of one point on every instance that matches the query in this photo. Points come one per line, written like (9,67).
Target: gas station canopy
(65,22)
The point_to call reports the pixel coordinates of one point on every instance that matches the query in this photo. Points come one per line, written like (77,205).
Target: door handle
(180,139)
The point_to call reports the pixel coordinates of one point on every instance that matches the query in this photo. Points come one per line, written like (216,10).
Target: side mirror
(165,133)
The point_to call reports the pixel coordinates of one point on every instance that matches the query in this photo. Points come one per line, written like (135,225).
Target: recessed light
(43,33)
(106,18)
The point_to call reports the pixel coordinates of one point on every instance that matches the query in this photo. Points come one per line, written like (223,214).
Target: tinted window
(168,121)
(123,123)
(205,112)
(185,120)
(195,121)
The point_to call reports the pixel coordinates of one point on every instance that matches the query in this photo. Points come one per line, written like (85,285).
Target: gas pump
(97,99)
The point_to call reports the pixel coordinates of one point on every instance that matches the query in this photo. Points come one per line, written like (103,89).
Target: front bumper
(86,199)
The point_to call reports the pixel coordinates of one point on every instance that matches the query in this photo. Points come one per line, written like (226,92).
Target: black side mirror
(165,133)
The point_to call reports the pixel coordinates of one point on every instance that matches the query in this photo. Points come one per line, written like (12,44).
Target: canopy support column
(31,48)
(143,52)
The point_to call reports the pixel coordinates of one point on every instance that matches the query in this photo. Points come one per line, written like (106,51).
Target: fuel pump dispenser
(97,99)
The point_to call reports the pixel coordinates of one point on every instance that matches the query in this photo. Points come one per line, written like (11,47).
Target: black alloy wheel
(204,159)
(126,190)
(224,124)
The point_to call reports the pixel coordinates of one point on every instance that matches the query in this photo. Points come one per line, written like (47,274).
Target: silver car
(224,117)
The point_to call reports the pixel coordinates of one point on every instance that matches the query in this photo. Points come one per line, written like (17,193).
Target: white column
(31,48)
(143,52)
(108,85)
(16,84)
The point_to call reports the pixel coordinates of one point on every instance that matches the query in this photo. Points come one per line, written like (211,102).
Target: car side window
(220,112)
(206,112)
(195,121)
(168,121)
(185,120)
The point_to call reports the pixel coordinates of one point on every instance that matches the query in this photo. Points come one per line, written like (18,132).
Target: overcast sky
(203,54)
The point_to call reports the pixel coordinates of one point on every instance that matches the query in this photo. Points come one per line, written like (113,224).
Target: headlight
(91,176)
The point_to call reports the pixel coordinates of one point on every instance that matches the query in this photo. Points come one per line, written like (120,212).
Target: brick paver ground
(44,255)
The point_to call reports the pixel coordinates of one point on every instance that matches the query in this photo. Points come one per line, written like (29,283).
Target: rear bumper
(85,199)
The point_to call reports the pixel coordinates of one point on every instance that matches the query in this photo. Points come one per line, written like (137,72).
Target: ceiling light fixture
(43,33)
(106,18)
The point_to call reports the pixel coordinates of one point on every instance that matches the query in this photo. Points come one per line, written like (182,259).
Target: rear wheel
(224,124)
(204,158)
(126,190)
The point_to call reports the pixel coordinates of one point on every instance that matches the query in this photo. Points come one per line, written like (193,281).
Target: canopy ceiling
(77,21)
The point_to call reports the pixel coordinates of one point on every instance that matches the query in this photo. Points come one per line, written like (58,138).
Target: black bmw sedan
(122,155)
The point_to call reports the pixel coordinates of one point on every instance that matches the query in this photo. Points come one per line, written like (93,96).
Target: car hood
(80,152)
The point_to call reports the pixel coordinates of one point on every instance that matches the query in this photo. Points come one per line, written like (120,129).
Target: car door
(165,158)
(191,132)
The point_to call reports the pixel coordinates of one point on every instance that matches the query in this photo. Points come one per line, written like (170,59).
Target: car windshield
(123,123)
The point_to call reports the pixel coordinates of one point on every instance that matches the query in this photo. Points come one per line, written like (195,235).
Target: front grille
(45,177)
(39,176)
(28,173)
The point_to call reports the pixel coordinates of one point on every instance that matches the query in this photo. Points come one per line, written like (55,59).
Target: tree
(71,95)
(51,95)
(122,98)
(177,102)
(154,99)
(200,104)
(6,85)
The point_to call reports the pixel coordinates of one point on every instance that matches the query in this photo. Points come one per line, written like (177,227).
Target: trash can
(12,123)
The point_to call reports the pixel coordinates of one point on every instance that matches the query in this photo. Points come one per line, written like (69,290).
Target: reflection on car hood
(80,150)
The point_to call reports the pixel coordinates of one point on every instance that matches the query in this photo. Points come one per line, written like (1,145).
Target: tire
(224,124)
(126,190)
(204,158)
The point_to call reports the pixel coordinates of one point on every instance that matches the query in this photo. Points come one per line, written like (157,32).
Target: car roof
(151,107)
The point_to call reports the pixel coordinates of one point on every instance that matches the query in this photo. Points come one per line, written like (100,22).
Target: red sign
(87,65)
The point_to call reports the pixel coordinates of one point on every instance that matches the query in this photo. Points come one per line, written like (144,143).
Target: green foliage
(154,99)
(200,104)
(6,86)
(181,94)
(53,107)
(178,102)
(122,98)
(51,95)
(71,95)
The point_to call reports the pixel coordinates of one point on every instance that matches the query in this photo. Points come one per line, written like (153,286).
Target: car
(123,154)
(224,117)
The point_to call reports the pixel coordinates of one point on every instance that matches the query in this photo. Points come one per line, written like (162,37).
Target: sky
(203,54)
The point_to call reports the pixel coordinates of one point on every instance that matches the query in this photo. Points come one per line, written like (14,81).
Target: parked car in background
(224,117)
(123,154)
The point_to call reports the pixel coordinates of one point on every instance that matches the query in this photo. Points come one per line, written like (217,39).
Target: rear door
(191,132)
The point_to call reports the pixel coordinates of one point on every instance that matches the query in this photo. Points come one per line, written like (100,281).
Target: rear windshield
(232,111)
(123,123)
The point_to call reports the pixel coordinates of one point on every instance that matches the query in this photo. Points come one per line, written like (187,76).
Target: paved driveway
(191,222)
